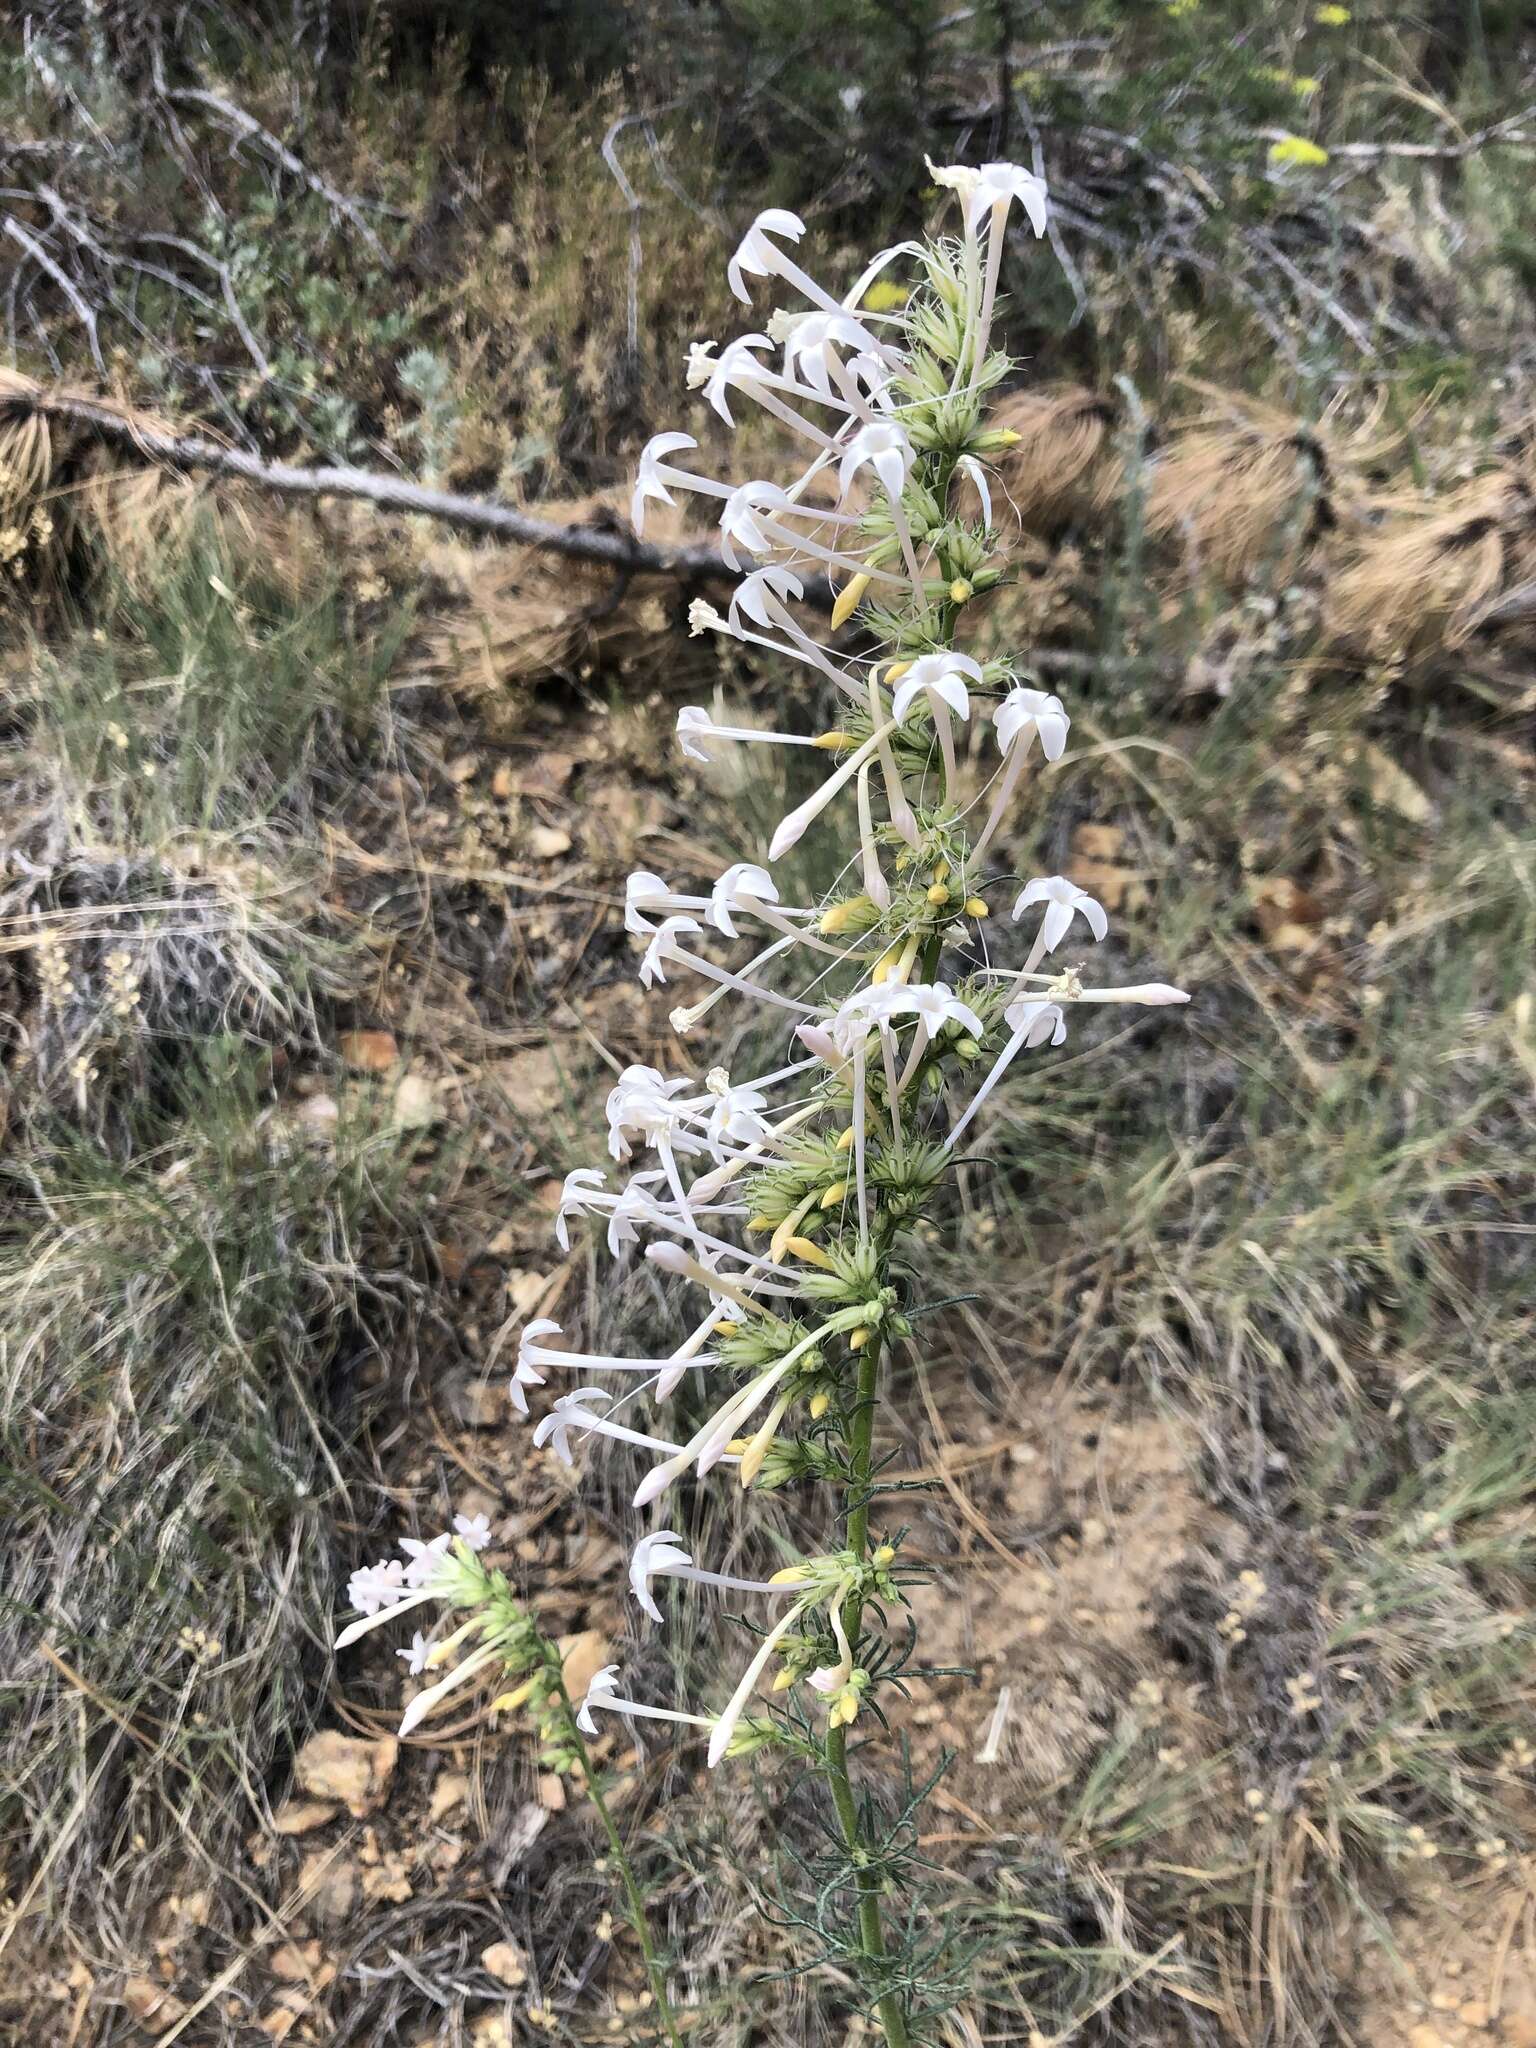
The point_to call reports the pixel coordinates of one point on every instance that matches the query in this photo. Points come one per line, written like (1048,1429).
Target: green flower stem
(634,1897)
(861,1437)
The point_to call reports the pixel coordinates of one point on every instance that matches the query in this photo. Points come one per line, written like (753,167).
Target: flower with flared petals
(1025,714)
(1064,900)
(756,255)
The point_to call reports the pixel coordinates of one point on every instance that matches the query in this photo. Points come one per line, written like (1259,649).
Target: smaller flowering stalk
(493,1633)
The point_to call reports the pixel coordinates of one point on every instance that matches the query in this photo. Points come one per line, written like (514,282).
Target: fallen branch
(620,551)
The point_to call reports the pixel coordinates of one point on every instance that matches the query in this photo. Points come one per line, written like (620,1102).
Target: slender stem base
(871,1932)
(634,1897)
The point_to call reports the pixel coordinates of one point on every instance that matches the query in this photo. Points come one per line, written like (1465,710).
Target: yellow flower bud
(974,907)
(819,1403)
(727,1326)
(834,1194)
(960,591)
(834,742)
(839,916)
(939,893)
(859,1338)
(791,1575)
(845,1140)
(896,671)
(849,598)
(509,1702)
(757,1223)
(784,1681)
(885,1555)
(813,1254)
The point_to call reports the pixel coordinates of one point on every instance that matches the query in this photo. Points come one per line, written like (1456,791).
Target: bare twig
(245,124)
(83,309)
(620,550)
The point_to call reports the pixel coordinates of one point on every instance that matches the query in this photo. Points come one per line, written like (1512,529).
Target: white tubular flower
(1022,717)
(750,525)
(475,1530)
(933,1004)
(523,1377)
(756,254)
(532,1350)
(1064,900)
(811,349)
(423,1559)
(1025,715)
(580,1192)
(885,449)
(645,894)
(996,188)
(660,1556)
(654,474)
(792,827)
(373,1588)
(601,1696)
(744,527)
(663,952)
(1031,1023)
(736,1118)
(940,679)
(424,1702)
(1035,1023)
(1154,994)
(738,368)
(640,1103)
(576,1411)
(742,887)
(415,1657)
(978,477)
(695,728)
(725,1727)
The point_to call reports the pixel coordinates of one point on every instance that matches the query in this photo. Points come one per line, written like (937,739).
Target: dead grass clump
(1419,585)
(1242,492)
(523,615)
(1064,468)
(72,508)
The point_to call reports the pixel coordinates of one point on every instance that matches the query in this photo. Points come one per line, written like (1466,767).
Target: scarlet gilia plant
(778,1205)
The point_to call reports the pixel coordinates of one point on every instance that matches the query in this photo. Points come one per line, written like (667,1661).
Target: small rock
(388,1882)
(463,768)
(415,1106)
(349,1768)
(295,1962)
(582,1657)
(370,1052)
(490,2030)
(505,1963)
(1474,2013)
(328,1887)
(548,842)
(551,1790)
(156,2009)
(303,1816)
(1424,2037)
(451,1790)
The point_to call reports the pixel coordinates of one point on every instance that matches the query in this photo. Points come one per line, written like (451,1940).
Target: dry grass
(1416,588)
(1065,470)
